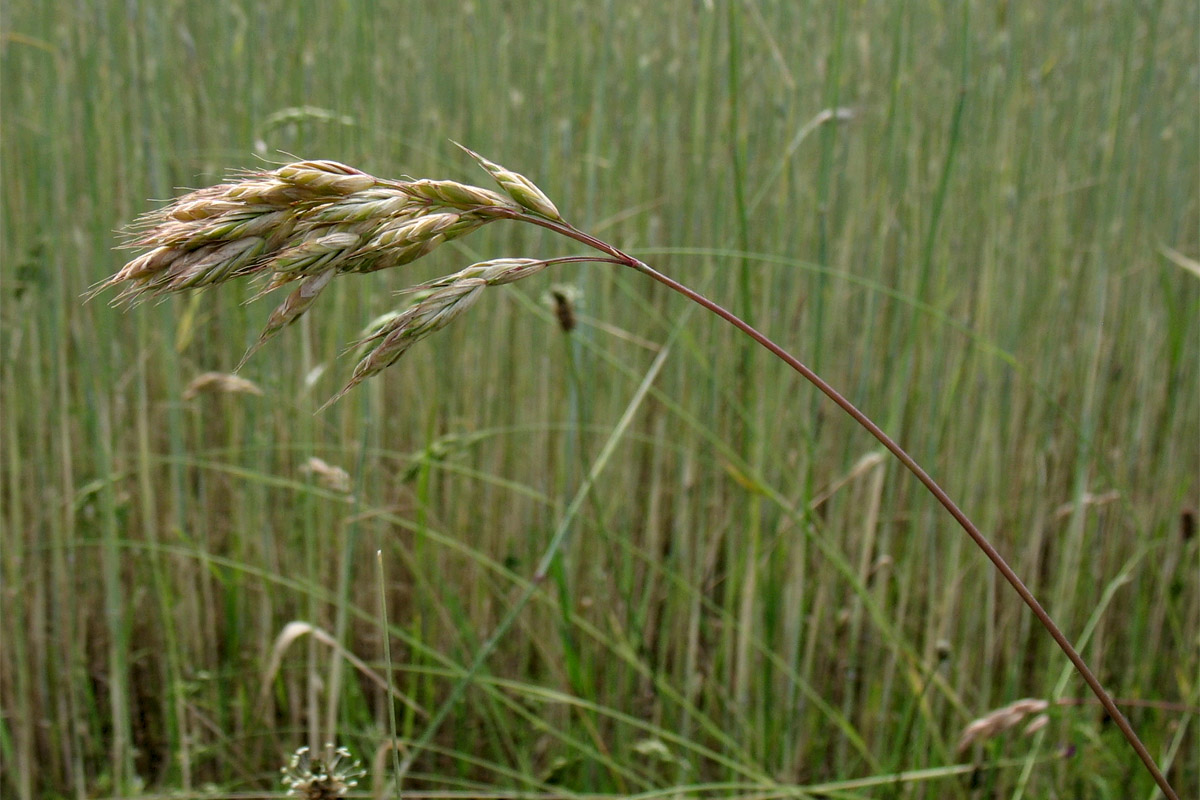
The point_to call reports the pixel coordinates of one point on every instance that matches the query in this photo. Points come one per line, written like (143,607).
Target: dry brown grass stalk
(296,629)
(379,765)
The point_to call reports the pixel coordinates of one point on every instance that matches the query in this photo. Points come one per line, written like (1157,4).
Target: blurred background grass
(979,220)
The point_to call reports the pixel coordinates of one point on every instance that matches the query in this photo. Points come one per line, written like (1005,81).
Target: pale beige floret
(1003,719)
(219,383)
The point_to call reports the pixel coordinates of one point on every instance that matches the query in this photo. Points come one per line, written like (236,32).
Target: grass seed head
(311,221)
(290,310)
(219,383)
(327,475)
(1001,720)
(495,272)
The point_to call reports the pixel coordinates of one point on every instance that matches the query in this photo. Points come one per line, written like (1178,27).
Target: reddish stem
(936,490)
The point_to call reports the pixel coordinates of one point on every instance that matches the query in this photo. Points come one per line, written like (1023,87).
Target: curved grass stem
(902,455)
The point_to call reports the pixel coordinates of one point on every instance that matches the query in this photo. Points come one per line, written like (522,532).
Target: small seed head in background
(562,299)
(1003,719)
(328,476)
(219,383)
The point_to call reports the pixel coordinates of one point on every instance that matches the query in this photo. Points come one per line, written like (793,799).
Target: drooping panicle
(310,221)
(440,302)
(295,222)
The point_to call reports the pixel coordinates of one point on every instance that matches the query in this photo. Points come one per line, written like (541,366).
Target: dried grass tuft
(1003,719)
(328,476)
(219,383)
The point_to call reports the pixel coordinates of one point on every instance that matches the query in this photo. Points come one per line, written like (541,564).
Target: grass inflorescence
(311,221)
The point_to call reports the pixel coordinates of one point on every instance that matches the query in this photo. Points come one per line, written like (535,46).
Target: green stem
(393,731)
(557,543)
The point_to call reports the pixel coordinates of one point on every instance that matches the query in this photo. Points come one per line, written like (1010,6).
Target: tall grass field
(979,221)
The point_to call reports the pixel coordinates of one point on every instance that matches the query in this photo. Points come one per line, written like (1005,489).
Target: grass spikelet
(239,224)
(429,315)
(457,195)
(495,272)
(375,259)
(266,191)
(202,204)
(326,177)
(517,186)
(290,310)
(380,203)
(404,232)
(440,302)
(316,253)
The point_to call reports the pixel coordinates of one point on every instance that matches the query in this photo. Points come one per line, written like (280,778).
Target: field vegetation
(980,221)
